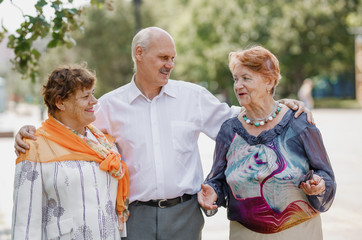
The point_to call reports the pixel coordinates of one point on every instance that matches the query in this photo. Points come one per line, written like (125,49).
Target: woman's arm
(319,162)
(216,178)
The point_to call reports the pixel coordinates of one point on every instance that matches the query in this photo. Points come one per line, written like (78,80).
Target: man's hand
(27,131)
(207,197)
(295,104)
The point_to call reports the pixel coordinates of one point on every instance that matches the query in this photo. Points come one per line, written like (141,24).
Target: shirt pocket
(184,136)
(61,231)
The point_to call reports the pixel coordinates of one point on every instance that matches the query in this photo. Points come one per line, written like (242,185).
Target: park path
(342,133)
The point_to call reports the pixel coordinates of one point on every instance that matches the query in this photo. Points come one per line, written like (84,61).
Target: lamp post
(137,14)
(357,31)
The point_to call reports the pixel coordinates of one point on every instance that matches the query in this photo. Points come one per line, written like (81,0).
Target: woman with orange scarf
(71,183)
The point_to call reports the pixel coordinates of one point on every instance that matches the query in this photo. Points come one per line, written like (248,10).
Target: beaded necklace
(261,121)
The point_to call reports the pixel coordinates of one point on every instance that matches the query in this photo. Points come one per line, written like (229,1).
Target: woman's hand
(207,197)
(26,131)
(314,186)
(295,104)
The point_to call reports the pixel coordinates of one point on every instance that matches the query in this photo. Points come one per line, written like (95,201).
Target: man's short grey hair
(143,39)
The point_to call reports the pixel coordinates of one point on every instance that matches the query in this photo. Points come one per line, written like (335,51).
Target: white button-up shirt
(158,138)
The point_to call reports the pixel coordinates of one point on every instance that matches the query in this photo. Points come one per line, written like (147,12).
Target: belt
(164,203)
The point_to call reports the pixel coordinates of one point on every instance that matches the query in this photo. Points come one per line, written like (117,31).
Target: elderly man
(156,122)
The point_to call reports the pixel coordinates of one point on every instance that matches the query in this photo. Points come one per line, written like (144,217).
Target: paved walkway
(342,134)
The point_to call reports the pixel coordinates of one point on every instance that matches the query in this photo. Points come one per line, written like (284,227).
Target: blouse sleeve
(27,198)
(216,178)
(319,162)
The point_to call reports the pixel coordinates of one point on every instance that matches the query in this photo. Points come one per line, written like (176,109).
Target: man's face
(157,61)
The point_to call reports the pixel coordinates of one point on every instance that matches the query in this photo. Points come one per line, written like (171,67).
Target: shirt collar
(169,89)
(134,92)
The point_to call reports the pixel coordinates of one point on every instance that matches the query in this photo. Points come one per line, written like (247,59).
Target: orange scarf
(88,150)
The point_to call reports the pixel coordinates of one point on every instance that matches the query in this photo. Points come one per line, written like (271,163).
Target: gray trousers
(179,222)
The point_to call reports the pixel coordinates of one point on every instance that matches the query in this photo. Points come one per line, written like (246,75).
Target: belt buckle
(161,201)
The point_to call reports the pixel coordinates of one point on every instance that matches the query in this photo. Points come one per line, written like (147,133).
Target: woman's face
(249,87)
(79,109)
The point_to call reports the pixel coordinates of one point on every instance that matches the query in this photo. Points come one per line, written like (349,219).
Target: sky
(11,16)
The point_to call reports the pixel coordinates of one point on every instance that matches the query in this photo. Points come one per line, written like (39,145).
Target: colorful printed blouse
(257,177)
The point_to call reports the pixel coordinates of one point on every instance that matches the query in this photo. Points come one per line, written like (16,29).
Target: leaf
(23,46)
(34,74)
(56,6)
(32,19)
(71,11)
(23,63)
(5,30)
(36,53)
(52,44)
(60,14)
(98,3)
(41,3)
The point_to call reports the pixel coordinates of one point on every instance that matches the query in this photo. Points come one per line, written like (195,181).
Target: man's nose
(170,64)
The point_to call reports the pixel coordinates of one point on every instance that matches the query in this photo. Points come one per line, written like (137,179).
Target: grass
(336,103)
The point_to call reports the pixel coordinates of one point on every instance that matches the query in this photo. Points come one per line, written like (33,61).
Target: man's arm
(27,131)
(295,104)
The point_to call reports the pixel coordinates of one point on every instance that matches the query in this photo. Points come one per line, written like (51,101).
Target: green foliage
(38,27)
(105,45)
(336,103)
(309,37)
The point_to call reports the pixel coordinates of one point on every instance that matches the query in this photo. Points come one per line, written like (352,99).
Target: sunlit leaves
(305,35)
(37,27)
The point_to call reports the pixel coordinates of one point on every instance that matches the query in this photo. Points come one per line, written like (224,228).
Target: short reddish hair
(64,82)
(257,59)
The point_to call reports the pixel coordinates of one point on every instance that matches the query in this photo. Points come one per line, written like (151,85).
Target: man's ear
(138,53)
